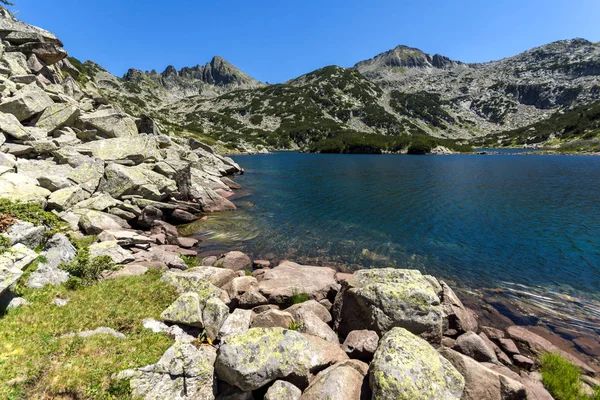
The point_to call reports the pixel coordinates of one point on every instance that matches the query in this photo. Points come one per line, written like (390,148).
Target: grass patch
(294,326)
(190,261)
(561,379)
(35,363)
(298,298)
(30,212)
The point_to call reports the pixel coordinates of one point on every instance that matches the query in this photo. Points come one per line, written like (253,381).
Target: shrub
(190,261)
(30,212)
(298,297)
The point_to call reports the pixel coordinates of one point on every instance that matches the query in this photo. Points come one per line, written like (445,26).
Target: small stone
(508,346)
(272,319)
(523,362)
(361,344)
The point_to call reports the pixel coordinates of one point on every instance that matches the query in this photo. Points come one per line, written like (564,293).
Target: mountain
(397,97)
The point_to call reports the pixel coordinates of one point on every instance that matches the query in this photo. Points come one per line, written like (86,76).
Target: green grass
(294,326)
(35,363)
(30,212)
(298,298)
(190,261)
(561,379)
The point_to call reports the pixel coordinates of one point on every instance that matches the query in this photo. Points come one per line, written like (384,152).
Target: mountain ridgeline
(402,100)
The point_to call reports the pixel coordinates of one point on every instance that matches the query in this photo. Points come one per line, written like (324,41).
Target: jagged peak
(406,57)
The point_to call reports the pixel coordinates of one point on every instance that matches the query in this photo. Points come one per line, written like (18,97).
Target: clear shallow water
(529,225)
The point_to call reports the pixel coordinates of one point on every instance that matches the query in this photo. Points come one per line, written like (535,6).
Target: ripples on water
(527,225)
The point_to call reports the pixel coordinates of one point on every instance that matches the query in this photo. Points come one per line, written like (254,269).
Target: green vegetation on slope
(577,129)
(561,378)
(422,105)
(37,363)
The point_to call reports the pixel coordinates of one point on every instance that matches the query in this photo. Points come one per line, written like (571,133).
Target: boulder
(342,381)
(361,345)
(137,149)
(12,264)
(456,316)
(26,103)
(183,217)
(111,249)
(119,181)
(48,174)
(169,258)
(48,53)
(406,367)
(214,314)
(523,362)
(313,306)
(10,125)
(475,347)
(111,122)
(508,346)
(186,310)
(381,299)
(262,355)
(289,279)
(237,323)
(8,23)
(282,390)
(64,199)
(26,233)
(195,278)
(56,116)
(184,372)
(313,325)
(58,250)
(482,383)
(272,319)
(125,238)
(94,222)
(234,260)
(23,192)
(492,333)
(128,270)
(502,357)
(88,174)
(210,200)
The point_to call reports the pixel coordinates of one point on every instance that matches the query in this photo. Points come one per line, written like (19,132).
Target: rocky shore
(241,328)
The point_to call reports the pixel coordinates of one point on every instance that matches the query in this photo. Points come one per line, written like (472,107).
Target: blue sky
(278,40)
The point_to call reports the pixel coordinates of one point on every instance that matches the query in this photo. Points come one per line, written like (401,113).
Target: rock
(272,319)
(174,331)
(186,242)
(111,249)
(12,264)
(288,279)
(88,174)
(313,325)
(183,216)
(282,390)
(26,103)
(230,183)
(58,302)
(25,233)
(342,381)
(17,28)
(111,122)
(314,307)
(125,238)
(508,346)
(120,181)
(185,372)
(186,310)
(10,125)
(23,192)
(261,264)
(58,250)
(171,260)
(523,362)
(456,315)
(214,314)
(97,331)
(361,345)
(56,116)
(196,278)
(407,367)
(49,53)
(237,323)
(381,299)
(16,303)
(492,333)
(209,261)
(137,149)
(502,357)
(532,343)
(48,174)
(262,355)
(234,260)
(475,347)
(94,222)
(64,199)
(210,200)
(588,345)
(149,216)
(481,382)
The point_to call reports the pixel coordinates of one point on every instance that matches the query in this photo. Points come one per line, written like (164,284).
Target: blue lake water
(528,224)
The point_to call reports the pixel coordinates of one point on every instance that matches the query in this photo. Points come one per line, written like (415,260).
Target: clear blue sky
(278,40)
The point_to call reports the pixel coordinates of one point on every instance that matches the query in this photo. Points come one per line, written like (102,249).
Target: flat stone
(194,278)
(523,362)
(111,249)
(311,324)
(272,319)
(56,115)
(508,346)
(111,122)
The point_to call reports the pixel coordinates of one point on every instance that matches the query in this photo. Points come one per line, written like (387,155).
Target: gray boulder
(26,233)
(26,103)
(186,310)
(58,250)
(252,360)
(185,372)
(381,299)
(56,116)
(272,319)
(111,122)
(406,367)
(12,264)
(111,249)
(234,260)
(313,325)
(120,180)
(66,198)
(214,314)
(475,347)
(313,306)
(361,345)
(94,222)
(196,278)
(237,323)
(282,390)
(137,149)
(456,316)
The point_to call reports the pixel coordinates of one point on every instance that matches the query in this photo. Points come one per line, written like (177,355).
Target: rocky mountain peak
(406,57)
